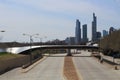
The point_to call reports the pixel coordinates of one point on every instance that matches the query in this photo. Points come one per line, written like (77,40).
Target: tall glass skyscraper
(78,32)
(94,28)
(84,32)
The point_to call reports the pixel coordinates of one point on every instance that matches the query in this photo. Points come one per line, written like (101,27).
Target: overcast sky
(54,18)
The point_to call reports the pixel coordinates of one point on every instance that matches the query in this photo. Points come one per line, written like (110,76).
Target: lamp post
(31,40)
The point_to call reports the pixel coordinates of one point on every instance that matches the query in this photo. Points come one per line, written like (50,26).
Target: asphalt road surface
(49,69)
(90,69)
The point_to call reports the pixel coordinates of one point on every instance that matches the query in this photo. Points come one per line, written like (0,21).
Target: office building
(94,28)
(105,33)
(98,36)
(84,33)
(78,32)
(70,40)
(112,29)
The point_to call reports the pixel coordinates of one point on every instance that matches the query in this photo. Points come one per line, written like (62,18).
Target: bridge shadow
(65,55)
(56,56)
(81,56)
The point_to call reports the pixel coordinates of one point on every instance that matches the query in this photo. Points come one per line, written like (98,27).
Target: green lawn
(3,53)
(4,56)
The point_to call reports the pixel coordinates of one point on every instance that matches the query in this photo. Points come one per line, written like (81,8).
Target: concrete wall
(6,65)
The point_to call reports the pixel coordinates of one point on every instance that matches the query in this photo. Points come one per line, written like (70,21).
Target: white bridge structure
(17,50)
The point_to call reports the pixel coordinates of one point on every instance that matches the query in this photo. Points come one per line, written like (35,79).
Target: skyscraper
(84,30)
(112,29)
(98,35)
(78,32)
(94,28)
(105,33)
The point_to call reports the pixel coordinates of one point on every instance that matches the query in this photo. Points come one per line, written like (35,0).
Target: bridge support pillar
(69,52)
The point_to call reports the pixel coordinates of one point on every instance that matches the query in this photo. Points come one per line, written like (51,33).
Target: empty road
(91,69)
(49,69)
(52,69)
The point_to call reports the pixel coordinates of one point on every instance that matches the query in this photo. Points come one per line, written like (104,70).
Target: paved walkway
(91,69)
(115,60)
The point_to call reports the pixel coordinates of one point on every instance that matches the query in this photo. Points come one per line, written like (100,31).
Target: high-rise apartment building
(84,33)
(78,32)
(94,28)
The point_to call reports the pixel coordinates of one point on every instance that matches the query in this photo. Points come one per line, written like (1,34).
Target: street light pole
(31,40)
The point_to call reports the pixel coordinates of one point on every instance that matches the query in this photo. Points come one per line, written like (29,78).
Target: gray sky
(54,18)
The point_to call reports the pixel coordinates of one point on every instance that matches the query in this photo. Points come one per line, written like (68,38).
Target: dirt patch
(70,72)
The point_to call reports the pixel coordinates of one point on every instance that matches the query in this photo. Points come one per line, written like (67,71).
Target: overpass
(65,47)
(17,50)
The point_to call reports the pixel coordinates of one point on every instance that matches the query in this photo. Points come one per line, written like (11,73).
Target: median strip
(69,70)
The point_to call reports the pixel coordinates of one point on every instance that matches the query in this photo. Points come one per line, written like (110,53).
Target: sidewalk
(114,61)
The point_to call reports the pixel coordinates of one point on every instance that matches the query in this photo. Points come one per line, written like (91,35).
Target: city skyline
(54,21)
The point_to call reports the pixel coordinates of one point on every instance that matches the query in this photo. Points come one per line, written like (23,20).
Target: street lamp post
(31,40)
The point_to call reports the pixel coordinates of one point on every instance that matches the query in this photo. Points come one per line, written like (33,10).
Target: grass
(3,53)
(6,56)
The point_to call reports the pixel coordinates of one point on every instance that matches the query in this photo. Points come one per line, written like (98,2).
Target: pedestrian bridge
(17,50)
